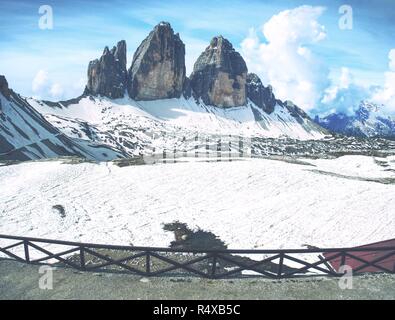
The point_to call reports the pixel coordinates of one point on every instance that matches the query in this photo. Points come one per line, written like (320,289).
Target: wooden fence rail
(205,263)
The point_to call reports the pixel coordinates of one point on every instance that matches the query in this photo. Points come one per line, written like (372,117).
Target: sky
(321,55)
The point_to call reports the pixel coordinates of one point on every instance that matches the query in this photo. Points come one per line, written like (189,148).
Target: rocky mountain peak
(221,54)
(219,75)
(163,25)
(365,110)
(4,89)
(362,114)
(370,106)
(260,95)
(107,76)
(368,120)
(106,51)
(219,43)
(119,52)
(158,66)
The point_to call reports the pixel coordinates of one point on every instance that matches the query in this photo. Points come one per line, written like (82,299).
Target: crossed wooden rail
(205,263)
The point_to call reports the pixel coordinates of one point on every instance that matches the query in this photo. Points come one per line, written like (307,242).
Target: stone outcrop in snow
(219,75)
(294,110)
(158,67)
(107,76)
(260,95)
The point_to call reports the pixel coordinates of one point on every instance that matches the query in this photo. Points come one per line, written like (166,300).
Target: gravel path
(20,281)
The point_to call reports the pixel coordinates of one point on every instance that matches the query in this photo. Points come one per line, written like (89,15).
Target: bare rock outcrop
(219,75)
(158,67)
(4,89)
(260,95)
(107,76)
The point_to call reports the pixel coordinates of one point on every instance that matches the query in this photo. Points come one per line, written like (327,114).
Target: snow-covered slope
(248,204)
(369,120)
(105,129)
(132,127)
(25,134)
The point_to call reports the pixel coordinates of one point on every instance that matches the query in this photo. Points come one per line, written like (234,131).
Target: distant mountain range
(369,120)
(153,106)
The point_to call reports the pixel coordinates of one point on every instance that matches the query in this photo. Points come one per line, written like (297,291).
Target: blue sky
(334,71)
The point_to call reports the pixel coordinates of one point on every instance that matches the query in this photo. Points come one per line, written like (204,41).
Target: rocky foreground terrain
(19,281)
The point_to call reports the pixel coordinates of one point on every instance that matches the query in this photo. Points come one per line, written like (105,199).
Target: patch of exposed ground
(20,281)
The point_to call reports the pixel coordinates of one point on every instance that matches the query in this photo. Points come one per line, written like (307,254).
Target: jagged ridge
(153,98)
(25,134)
(367,121)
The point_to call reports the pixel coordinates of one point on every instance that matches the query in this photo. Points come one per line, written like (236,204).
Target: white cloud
(80,84)
(285,61)
(343,82)
(56,90)
(386,95)
(391,56)
(343,95)
(295,26)
(40,81)
(45,86)
(345,78)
